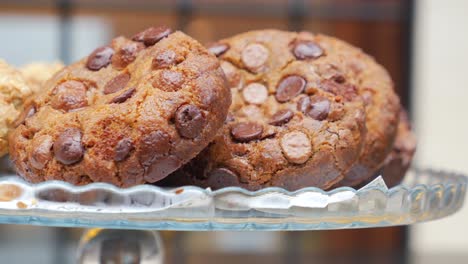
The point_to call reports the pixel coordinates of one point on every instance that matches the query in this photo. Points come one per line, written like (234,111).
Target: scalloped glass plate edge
(425,195)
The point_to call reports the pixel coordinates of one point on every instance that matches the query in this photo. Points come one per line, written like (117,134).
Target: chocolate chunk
(123,149)
(254,56)
(122,98)
(303,104)
(307,50)
(296,147)
(281,117)
(255,93)
(154,145)
(189,121)
(318,107)
(41,151)
(289,87)
(68,148)
(161,168)
(348,91)
(152,35)
(246,131)
(221,177)
(218,49)
(339,78)
(28,111)
(164,59)
(101,57)
(169,81)
(126,55)
(69,95)
(118,83)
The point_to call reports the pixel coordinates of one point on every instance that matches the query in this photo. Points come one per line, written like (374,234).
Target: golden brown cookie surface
(131,112)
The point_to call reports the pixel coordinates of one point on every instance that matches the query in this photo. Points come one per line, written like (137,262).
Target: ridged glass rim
(456,177)
(426,195)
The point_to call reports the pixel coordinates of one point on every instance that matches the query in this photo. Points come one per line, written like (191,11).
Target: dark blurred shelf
(330,10)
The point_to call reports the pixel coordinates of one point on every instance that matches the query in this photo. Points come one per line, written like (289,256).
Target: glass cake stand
(424,195)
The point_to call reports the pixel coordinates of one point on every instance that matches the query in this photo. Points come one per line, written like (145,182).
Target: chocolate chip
(123,149)
(101,57)
(126,55)
(296,147)
(154,145)
(164,59)
(339,78)
(254,56)
(161,168)
(152,35)
(28,111)
(122,98)
(289,87)
(318,107)
(41,151)
(255,93)
(189,121)
(303,104)
(118,83)
(246,131)
(307,50)
(218,49)
(221,177)
(348,91)
(168,80)
(69,95)
(281,117)
(68,148)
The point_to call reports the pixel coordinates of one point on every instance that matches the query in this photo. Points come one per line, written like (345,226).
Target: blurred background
(422,43)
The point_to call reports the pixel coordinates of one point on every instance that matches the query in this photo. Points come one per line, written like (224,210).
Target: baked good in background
(14,90)
(130,113)
(399,160)
(382,119)
(37,73)
(297,117)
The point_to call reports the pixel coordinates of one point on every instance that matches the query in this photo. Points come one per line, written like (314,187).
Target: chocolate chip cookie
(297,117)
(382,115)
(399,160)
(14,90)
(131,112)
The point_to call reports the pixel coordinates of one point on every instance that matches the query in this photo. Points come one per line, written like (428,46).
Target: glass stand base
(120,246)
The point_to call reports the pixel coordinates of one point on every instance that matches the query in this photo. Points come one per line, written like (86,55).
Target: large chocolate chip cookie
(297,117)
(131,112)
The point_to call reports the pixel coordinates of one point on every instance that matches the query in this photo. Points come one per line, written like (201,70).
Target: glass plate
(424,195)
